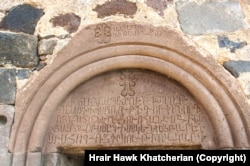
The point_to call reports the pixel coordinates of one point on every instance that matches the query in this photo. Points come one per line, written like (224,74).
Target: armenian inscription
(131,107)
(105,32)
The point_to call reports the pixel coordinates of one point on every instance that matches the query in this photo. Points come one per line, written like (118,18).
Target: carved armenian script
(106,32)
(131,107)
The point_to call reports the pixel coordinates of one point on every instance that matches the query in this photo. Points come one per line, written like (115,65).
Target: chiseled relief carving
(128,82)
(103,33)
(106,32)
(131,107)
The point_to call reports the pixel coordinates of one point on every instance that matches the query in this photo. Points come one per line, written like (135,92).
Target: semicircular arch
(208,83)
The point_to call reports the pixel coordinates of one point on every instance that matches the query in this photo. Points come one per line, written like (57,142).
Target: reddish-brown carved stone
(130,108)
(102,48)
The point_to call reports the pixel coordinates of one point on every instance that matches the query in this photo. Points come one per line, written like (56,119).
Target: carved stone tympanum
(130,108)
(128,85)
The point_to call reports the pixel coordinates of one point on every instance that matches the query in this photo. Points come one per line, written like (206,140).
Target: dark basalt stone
(18,49)
(237,67)
(7,86)
(22,18)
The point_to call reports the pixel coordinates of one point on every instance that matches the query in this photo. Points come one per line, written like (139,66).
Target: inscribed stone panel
(130,108)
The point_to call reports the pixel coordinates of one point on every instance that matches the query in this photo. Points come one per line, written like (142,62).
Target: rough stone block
(69,21)
(46,47)
(23,74)
(50,159)
(19,159)
(22,18)
(236,68)
(22,77)
(6,121)
(210,17)
(5,159)
(34,159)
(240,70)
(18,49)
(7,86)
(55,159)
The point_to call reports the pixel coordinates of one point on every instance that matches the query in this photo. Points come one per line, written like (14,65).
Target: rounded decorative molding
(86,57)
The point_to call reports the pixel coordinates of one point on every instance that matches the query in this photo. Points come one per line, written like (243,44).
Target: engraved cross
(128,83)
(103,33)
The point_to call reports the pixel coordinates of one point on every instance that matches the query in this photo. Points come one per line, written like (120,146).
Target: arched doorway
(115,46)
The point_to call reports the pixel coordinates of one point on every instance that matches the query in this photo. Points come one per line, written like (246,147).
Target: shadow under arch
(201,76)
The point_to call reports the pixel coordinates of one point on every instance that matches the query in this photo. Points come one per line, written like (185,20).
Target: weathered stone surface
(210,17)
(23,74)
(109,46)
(116,7)
(7,86)
(51,159)
(43,58)
(158,5)
(46,46)
(115,103)
(5,159)
(18,49)
(68,21)
(6,5)
(6,121)
(237,67)
(41,65)
(19,159)
(244,80)
(61,44)
(240,70)
(34,159)
(22,77)
(55,159)
(22,18)
(1,15)
(244,53)
(225,42)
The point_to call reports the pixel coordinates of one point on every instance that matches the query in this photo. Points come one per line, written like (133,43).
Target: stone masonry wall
(33,31)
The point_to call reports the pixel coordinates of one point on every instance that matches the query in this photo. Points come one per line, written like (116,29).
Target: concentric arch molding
(111,46)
